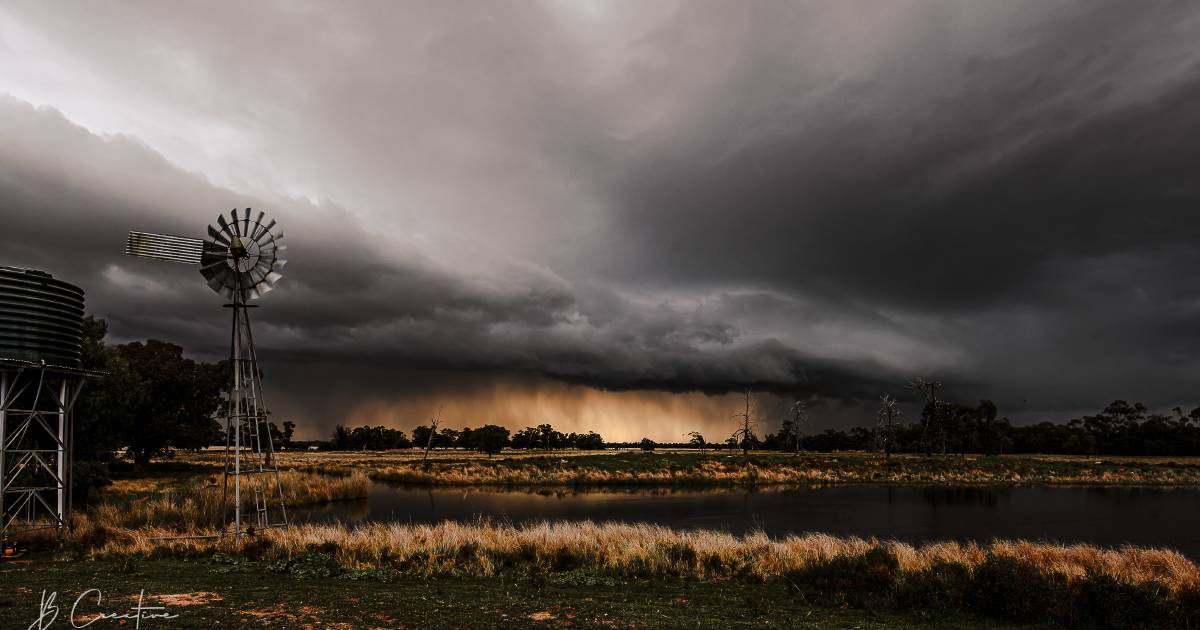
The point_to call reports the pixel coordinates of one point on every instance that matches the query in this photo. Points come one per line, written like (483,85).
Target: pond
(1107,516)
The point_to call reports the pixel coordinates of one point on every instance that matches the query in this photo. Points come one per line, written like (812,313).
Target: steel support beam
(35,421)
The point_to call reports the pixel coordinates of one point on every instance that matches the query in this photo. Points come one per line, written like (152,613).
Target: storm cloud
(643,206)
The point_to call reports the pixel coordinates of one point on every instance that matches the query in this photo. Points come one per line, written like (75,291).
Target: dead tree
(885,433)
(429,442)
(746,431)
(793,426)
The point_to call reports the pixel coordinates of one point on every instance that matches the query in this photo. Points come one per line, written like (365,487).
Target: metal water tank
(41,319)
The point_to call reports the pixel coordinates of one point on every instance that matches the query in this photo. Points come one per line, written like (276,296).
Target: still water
(1160,517)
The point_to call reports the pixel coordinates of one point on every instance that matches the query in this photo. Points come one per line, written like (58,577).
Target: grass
(208,593)
(1008,580)
(544,573)
(691,468)
(189,502)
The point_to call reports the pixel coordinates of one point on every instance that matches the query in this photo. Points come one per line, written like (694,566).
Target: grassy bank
(1015,581)
(187,502)
(209,594)
(627,468)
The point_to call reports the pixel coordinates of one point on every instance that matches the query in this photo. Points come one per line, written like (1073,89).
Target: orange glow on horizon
(624,416)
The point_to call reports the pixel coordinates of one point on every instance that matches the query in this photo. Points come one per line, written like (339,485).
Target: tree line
(488,438)
(1121,428)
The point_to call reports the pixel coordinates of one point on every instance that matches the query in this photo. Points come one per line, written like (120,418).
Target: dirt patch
(200,598)
(283,612)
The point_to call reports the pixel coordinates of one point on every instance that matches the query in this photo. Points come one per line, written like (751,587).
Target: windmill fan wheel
(242,257)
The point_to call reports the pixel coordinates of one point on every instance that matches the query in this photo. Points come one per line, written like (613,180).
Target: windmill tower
(240,260)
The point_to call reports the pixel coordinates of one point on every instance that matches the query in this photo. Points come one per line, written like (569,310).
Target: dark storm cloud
(345,300)
(1038,204)
(806,198)
(1018,157)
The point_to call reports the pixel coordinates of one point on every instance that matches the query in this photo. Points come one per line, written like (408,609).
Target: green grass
(244,594)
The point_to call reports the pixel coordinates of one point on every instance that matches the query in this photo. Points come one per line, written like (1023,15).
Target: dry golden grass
(691,468)
(732,472)
(195,502)
(637,550)
(1017,580)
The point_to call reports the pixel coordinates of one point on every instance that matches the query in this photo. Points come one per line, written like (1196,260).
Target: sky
(619,215)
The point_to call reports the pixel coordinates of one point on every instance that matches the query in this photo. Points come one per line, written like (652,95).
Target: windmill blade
(213,269)
(224,224)
(219,280)
(246,229)
(217,237)
(264,239)
(214,252)
(221,274)
(252,277)
(237,229)
(258,226)
(180,249)
(215,284)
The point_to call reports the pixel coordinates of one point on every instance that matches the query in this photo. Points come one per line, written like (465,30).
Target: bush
(1187,602)
(852,579)
(1011,589)
(647,444)
(1113,603)
(321,565)
(943,585)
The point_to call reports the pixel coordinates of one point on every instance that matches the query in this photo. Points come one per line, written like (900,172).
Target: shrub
(851,579)
(321,565)
(1110,602)
(1012,589)
(942,585)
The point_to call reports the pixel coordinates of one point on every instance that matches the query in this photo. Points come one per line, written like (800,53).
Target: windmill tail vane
(241,259)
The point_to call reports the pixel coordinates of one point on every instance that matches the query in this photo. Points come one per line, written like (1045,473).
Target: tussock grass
(195,503)
(767,471)
(1017,580)
(723,469)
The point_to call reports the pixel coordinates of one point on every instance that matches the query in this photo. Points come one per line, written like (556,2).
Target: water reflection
(967,495)
(1098,515)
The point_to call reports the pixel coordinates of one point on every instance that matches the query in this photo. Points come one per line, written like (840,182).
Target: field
(486,574)
(813,574)
(202,594)
(709,468)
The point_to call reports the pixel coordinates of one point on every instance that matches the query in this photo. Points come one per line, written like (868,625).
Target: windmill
(240,260)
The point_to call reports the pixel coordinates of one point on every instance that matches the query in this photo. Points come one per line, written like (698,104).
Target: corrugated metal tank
(41,319)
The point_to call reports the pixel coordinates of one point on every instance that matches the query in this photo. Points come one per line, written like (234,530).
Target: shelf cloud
(646,208)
